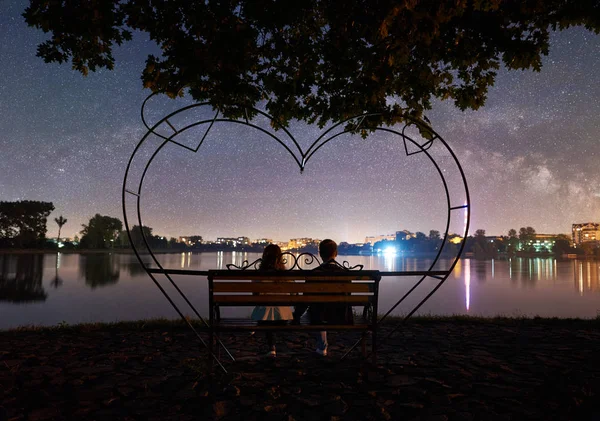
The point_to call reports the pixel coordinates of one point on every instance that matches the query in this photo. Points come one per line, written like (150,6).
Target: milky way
(530,155)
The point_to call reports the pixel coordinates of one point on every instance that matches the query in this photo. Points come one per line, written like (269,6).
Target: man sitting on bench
(326,313)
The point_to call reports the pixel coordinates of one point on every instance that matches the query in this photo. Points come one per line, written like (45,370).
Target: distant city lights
(390,250)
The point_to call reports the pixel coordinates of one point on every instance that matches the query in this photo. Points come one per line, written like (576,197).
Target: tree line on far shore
(23,226)
(525,242)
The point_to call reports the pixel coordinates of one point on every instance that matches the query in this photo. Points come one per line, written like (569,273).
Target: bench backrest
(253,287)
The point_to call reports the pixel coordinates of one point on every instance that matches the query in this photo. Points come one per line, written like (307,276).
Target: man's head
(327,250)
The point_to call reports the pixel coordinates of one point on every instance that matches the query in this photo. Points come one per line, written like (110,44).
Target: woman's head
(272,258)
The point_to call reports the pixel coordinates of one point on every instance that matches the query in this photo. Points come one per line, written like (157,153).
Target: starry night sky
(530,155)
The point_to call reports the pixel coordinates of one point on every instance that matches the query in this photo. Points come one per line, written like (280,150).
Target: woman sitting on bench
(272,259)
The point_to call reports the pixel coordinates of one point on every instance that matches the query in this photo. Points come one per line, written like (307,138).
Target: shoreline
(170,251)
(162,323)
(433,368)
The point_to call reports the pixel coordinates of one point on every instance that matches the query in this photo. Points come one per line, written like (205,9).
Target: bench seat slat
(288,287)
(290,299)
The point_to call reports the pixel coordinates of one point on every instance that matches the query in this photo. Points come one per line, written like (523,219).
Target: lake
(47,289)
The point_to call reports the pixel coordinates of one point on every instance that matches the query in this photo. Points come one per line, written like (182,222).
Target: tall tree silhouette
(60,221)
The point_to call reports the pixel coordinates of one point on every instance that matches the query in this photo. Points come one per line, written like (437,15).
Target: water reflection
(113,287)
(134,267)
(21,278)
(100,270)
(389,262)
(219,260)
(586,276)
(57,281)
(467,283)
(481,270)
(529,271)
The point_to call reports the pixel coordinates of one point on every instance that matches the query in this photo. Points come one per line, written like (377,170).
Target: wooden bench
(236,288)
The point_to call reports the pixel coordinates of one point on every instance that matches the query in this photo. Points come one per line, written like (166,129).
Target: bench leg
(374,346)
(217,342)
(210,351)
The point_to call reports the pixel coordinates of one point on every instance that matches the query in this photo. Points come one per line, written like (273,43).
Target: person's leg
(271,344)
(299,310)
(271,340)
(322,342)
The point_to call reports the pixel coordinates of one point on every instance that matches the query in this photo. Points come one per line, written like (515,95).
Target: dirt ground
(438,369)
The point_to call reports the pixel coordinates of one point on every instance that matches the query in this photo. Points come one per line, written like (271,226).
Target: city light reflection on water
(51,288)
(468,285)
(389,262)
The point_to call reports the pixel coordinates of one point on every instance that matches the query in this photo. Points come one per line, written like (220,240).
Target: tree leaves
(316,60)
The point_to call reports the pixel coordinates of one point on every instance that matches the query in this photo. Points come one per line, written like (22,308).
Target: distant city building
(264,241)
(233,241)
(404,235)
(374,239)
(586,232)
(190,240)
(542,242)
(298,243)
(493,238)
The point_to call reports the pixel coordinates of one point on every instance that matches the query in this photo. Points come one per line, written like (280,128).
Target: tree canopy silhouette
(100,232)
(315,60)
(23,223)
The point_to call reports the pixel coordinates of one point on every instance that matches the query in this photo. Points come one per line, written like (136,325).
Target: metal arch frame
(301,161)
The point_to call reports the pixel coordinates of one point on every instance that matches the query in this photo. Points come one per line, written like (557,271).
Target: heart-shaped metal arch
(132,188)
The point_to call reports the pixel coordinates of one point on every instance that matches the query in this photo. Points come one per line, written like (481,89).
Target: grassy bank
(177,324)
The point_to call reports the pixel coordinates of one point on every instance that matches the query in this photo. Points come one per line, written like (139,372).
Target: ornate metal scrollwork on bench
(308,258)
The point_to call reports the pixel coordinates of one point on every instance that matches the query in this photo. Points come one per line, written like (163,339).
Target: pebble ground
(435,370)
